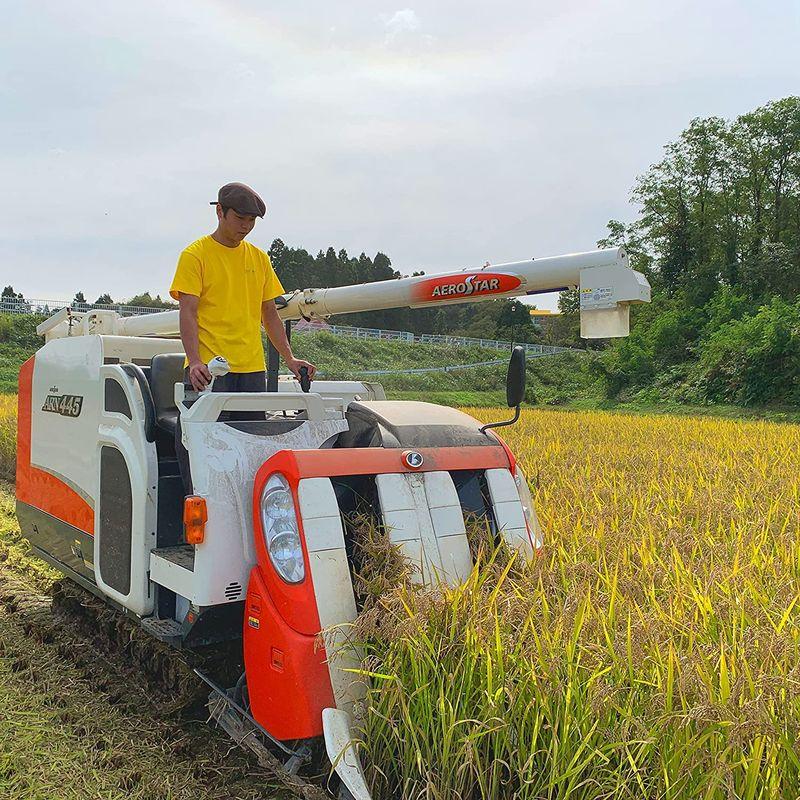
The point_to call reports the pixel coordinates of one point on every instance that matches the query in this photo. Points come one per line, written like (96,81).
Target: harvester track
(168,672)
(121,660)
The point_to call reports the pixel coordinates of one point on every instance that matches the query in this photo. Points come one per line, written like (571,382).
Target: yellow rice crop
(652,651)
(8,436)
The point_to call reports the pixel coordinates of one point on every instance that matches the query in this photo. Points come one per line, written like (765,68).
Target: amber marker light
(195,516)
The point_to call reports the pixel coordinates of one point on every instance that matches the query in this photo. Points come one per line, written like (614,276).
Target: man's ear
(220,212)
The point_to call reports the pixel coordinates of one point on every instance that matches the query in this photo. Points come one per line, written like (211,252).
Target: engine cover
(406,423)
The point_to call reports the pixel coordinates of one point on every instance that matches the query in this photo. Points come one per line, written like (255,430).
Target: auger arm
(608,287)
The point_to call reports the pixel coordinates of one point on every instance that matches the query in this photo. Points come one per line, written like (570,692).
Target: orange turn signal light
(195,516)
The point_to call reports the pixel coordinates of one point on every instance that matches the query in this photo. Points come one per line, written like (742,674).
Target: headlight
(281,534)
(524,492)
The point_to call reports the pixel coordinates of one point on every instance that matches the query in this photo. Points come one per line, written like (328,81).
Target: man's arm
(199,376)
(273,325)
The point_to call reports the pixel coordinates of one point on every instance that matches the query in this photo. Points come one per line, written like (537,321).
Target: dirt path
(76,724)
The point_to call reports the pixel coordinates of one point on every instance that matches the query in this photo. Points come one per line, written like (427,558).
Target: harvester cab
(262,552)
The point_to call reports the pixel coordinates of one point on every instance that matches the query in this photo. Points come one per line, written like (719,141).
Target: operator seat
(165,371)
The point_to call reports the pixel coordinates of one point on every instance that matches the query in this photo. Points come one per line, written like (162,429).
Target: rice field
(8,436)
(653,649)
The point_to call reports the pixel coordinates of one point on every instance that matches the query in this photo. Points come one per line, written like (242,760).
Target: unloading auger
(260,553)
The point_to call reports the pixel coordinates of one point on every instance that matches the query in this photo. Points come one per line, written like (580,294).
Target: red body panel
(36,487)
(295,602)
(287,674)
(296,464)
(287,677)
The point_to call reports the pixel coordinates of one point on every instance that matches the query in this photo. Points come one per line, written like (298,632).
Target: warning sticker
(602,294)
(253,622)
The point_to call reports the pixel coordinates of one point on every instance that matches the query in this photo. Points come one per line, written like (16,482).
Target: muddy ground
(79,722)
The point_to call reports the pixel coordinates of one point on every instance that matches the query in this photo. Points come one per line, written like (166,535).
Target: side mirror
(515,387)
(515,379)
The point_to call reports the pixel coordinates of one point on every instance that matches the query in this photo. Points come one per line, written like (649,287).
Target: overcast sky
(445,134)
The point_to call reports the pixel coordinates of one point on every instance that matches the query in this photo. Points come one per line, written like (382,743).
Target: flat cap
(240,198)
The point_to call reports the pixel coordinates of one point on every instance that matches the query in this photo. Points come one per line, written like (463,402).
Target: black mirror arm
(502,424)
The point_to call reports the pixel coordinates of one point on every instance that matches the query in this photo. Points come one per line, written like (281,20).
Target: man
(226,289)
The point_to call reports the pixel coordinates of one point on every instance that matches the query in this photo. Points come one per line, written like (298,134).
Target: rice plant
(8,436)
(651,651)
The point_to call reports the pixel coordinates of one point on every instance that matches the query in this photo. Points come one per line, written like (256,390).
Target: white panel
(448,521)
(394,492)
(66,446)
(509,515)
(402,525)
(412,550)
(224,462)
(333,587)
(508,510)
(501,486)
(315,496)
(456,558)
(167,573)
(440,490)
(432,565)
(323,533)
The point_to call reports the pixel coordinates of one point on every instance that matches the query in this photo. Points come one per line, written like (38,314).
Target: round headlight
(278,504)
(281,535)
(286,553)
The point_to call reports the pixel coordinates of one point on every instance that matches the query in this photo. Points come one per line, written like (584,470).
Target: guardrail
(47,307)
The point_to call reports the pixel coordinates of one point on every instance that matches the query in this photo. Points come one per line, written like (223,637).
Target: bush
(754,360)
(6,328)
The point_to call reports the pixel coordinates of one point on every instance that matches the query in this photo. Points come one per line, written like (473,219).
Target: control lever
(305,381)
(218,366)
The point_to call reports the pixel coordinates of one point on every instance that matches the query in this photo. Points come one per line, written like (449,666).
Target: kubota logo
(469,285)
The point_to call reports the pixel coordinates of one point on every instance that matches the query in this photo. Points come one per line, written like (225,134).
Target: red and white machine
(261,551)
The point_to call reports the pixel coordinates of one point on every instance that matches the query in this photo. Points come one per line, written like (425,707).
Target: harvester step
(165,630)
(182,555)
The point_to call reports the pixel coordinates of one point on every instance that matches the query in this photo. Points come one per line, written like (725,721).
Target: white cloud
(397,26)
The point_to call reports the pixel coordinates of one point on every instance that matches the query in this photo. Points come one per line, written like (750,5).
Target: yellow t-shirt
(232,283)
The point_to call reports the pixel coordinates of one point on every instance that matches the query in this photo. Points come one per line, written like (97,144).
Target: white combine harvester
(261,552)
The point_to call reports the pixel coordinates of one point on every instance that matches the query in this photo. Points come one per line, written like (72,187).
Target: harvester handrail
(208,407)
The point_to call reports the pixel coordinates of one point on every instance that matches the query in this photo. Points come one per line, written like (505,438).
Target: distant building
(544,318)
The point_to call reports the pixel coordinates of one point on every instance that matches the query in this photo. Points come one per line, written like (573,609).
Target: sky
(445,134)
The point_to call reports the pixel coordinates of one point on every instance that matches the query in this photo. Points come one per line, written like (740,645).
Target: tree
(145,300)
(772,272)
(514,322)
(104,300)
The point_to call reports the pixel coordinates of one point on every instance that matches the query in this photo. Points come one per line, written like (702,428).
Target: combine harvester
(261,553)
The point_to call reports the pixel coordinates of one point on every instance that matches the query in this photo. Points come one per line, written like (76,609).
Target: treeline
(718,235)
(11,301)
(506,320)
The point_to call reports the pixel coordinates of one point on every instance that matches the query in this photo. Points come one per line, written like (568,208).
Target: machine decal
(68,405)
(459,287)
(253,622)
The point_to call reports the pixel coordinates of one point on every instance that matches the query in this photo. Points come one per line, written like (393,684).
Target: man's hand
(294,365)
(199,376)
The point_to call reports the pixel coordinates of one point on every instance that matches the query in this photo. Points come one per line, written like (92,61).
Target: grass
(74,725)
(652,650)
(8,436)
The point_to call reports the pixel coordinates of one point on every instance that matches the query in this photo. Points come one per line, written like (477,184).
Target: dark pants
(232,382)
